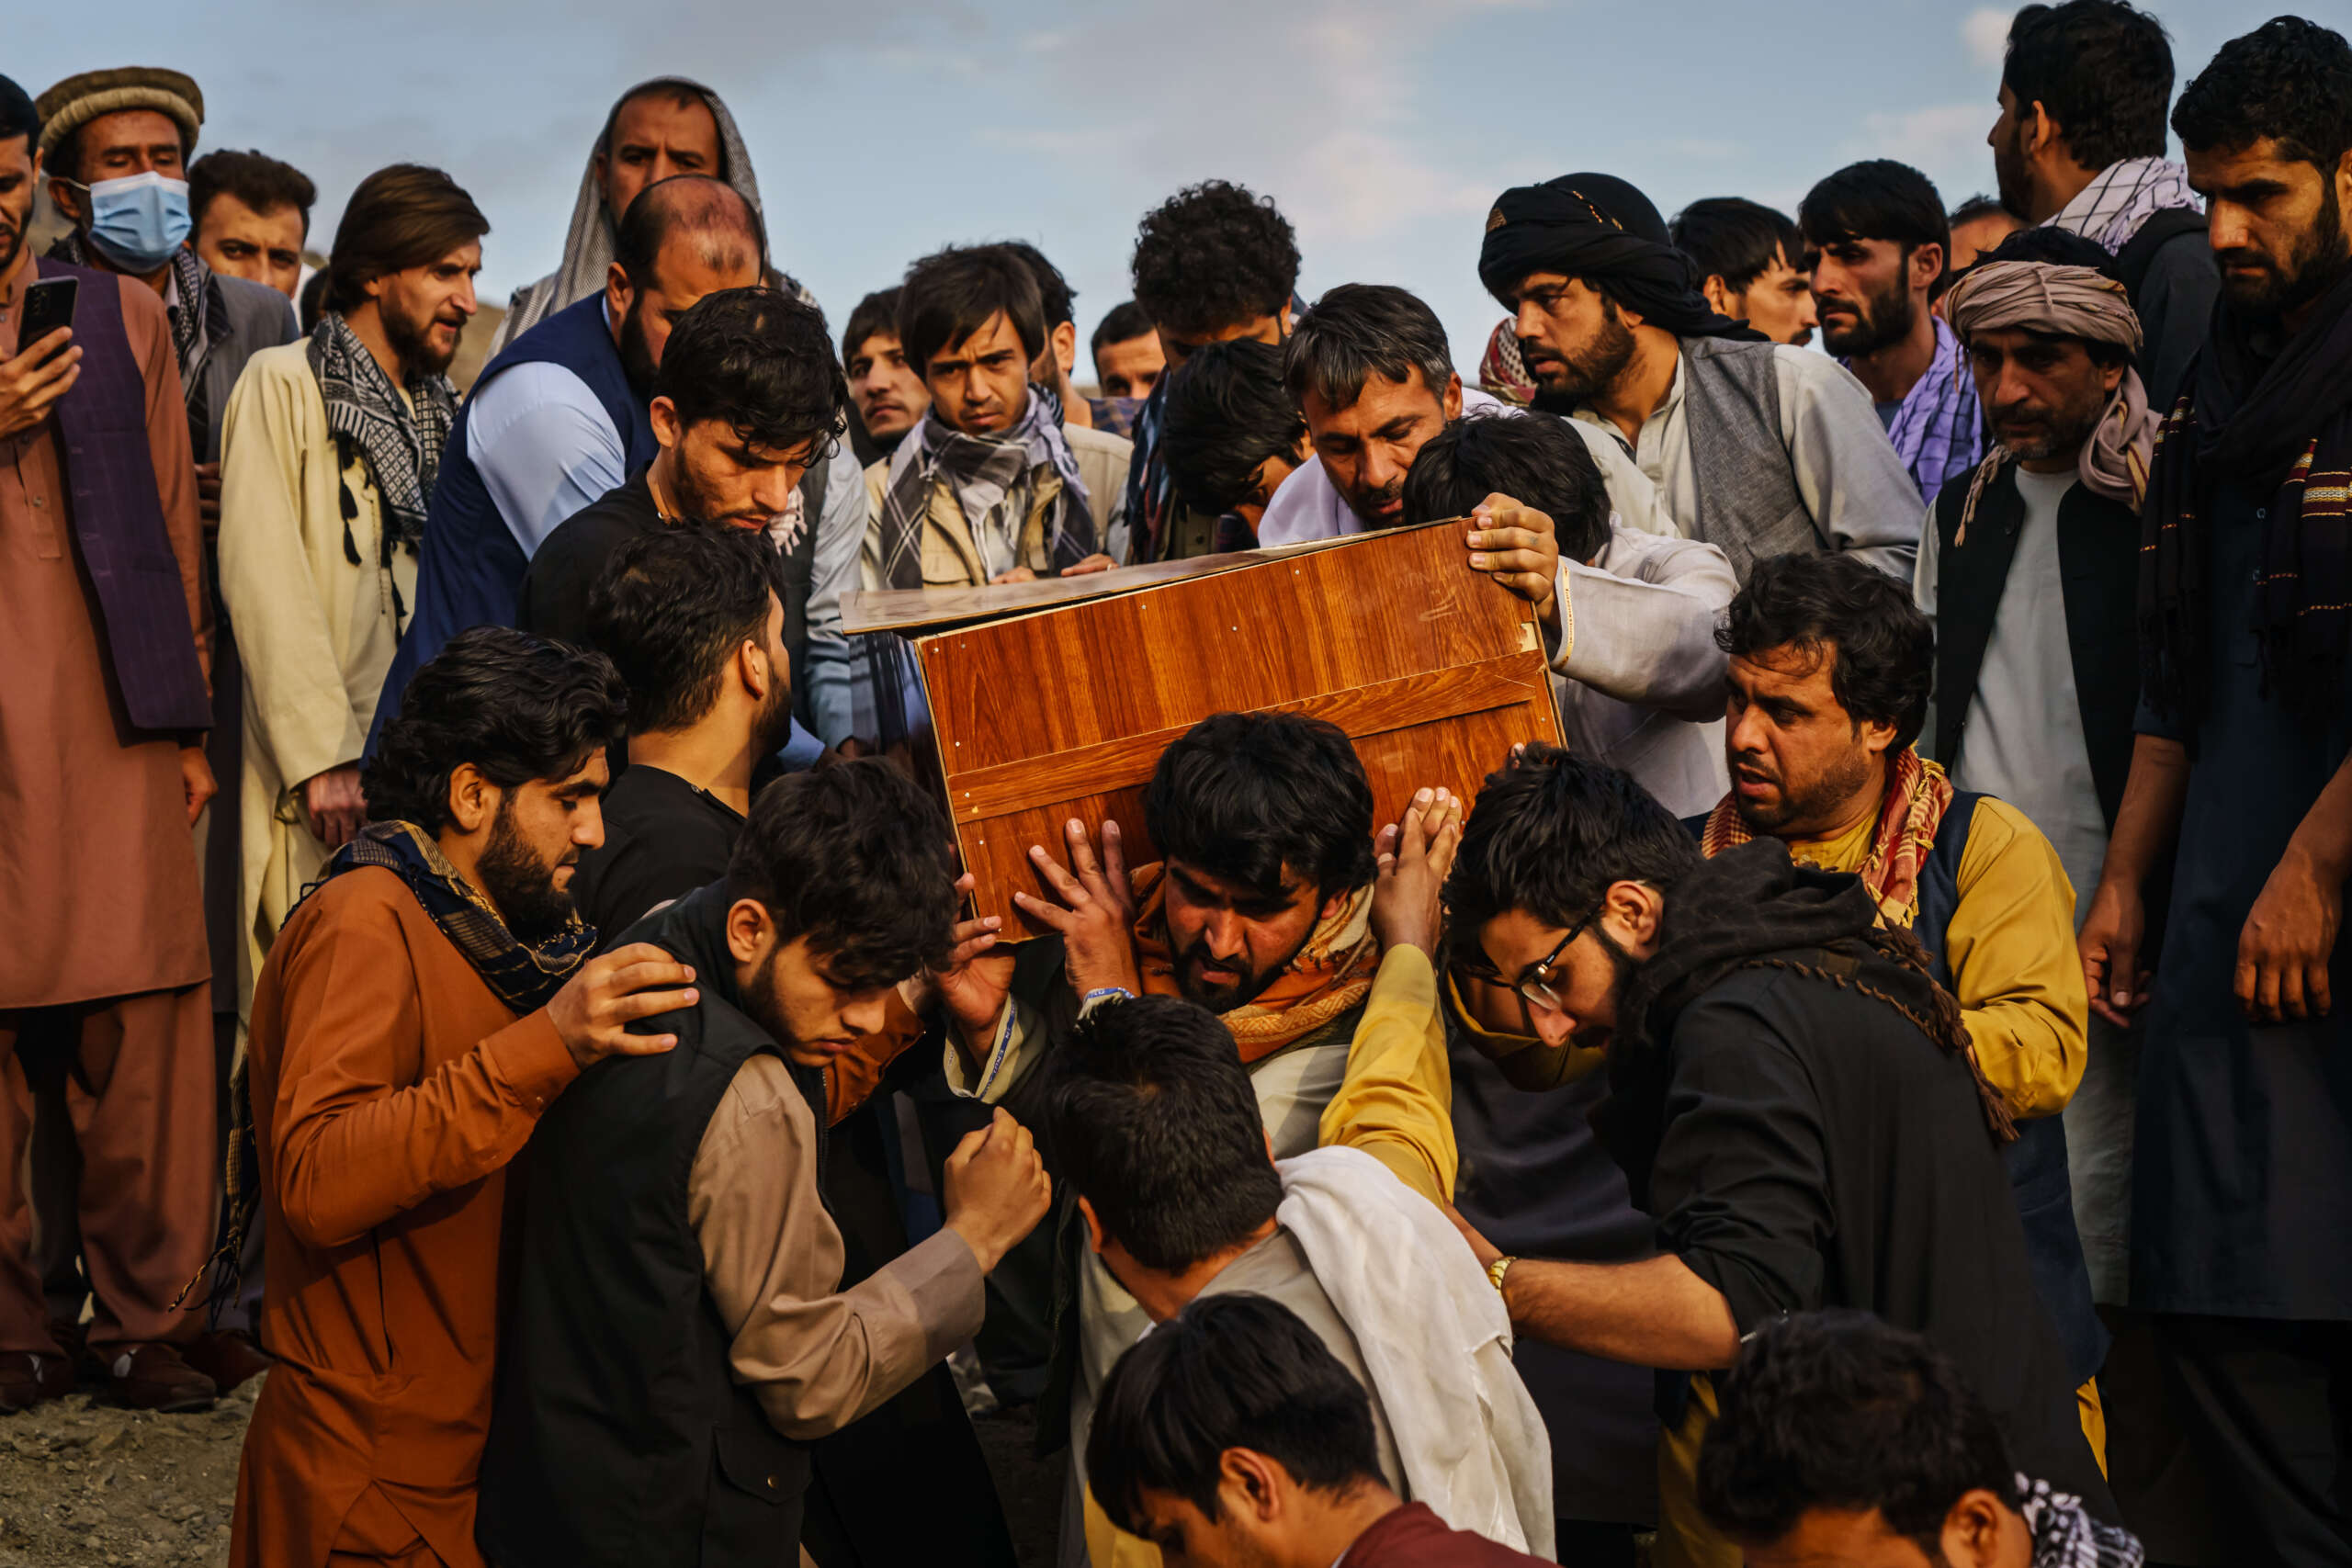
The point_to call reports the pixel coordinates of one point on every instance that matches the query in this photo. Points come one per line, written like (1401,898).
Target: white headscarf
(588,246)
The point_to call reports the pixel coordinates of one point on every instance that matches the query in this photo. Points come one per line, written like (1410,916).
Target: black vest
(800,568)
(2098,564)
(619,1435)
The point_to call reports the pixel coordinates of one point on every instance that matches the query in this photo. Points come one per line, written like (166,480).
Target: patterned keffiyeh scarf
(402,448)
(2113,206)
(1918,795)
(1937,431)
(522,976)
(2064,1536)
(983,472)
(1331,974)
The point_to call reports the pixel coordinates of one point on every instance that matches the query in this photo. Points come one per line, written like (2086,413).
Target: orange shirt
(391,1086)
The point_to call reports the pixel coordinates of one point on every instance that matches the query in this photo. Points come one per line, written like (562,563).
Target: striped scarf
(990,477)
(198,322)
(2124,195)
(1918,795)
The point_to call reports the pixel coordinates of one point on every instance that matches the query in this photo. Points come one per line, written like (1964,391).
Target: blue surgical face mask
(139,221)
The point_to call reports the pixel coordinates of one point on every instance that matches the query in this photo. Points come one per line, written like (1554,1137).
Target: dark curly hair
(515,707)
(671,608)
(1214,256)
(2102,68)
(1549,835)
(855,857)
(1839,1410)
(761,362)
(1881,649)
(2288,79)
(1241,795)
(1151,1119)
(1225,414)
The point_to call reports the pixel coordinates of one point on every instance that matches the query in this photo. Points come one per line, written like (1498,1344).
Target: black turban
(17,116)
(1598,228)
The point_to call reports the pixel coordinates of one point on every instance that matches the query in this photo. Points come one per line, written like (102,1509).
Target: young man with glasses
(1791,1099)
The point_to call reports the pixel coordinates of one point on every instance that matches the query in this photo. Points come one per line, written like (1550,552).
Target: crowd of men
(485,964)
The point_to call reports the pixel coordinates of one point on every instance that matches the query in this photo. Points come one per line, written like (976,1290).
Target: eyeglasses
(1534,985)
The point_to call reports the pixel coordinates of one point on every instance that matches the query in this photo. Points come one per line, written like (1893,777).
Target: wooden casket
(1055,699)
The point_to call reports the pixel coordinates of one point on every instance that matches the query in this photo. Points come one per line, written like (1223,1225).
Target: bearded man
(2243,1140)
(1756,447)
(1879,240)
(331,448)
(1783,1071)
(418,1014)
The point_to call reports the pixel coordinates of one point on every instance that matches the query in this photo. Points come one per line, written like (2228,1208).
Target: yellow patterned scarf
(1331,974)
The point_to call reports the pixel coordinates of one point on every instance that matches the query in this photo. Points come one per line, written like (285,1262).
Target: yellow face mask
(1495,1020)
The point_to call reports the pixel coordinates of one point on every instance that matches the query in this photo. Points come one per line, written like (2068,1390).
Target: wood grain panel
(1431,670)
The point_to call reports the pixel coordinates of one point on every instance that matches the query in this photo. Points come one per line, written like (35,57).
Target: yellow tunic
(316,630)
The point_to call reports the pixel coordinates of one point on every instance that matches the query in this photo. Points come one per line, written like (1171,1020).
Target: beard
(637,354)
(1582,375)
(761,1002)
(2009,177)
(2047,434)
(773,727)
(411,340)
(2312,266)
(1840,781)
(1194,962)
(521,883)
(1883,318)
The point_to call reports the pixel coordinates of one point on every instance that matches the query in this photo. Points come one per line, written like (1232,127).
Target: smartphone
(49,305)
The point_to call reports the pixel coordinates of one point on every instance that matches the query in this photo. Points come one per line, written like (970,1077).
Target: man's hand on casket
(974,982)
(1414,856)
(1516,546)
(1097,912)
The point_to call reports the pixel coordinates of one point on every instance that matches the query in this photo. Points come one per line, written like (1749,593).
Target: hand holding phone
(46,365)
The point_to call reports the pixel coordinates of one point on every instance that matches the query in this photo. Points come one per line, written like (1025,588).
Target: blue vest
(471,567)
(2037,1161)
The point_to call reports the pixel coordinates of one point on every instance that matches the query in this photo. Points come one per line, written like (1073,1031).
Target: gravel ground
(86,1485)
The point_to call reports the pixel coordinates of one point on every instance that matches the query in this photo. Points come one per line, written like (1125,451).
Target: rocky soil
(86,1485)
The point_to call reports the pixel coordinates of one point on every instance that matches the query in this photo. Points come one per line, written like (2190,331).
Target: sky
(881,129)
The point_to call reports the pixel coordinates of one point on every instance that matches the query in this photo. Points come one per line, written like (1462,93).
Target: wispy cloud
(1938,136)
(1984,34)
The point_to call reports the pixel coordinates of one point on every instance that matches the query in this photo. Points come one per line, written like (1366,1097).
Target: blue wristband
(1101,993)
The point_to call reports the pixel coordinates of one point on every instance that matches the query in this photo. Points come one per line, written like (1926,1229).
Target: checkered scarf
(1918,796)
(2064,1536)
(400,441)
(2113,206)
(988,477)
(1938,432)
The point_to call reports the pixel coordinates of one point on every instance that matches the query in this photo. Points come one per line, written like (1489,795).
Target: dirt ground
(86,1485)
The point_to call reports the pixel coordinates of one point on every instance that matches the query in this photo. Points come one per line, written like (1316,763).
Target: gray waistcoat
(1748,504)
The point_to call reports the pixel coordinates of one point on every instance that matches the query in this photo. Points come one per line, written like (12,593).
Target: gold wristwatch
(1497,1270)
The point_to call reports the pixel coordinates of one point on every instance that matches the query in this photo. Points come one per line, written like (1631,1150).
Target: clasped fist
(596,1006)
(996,1189)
